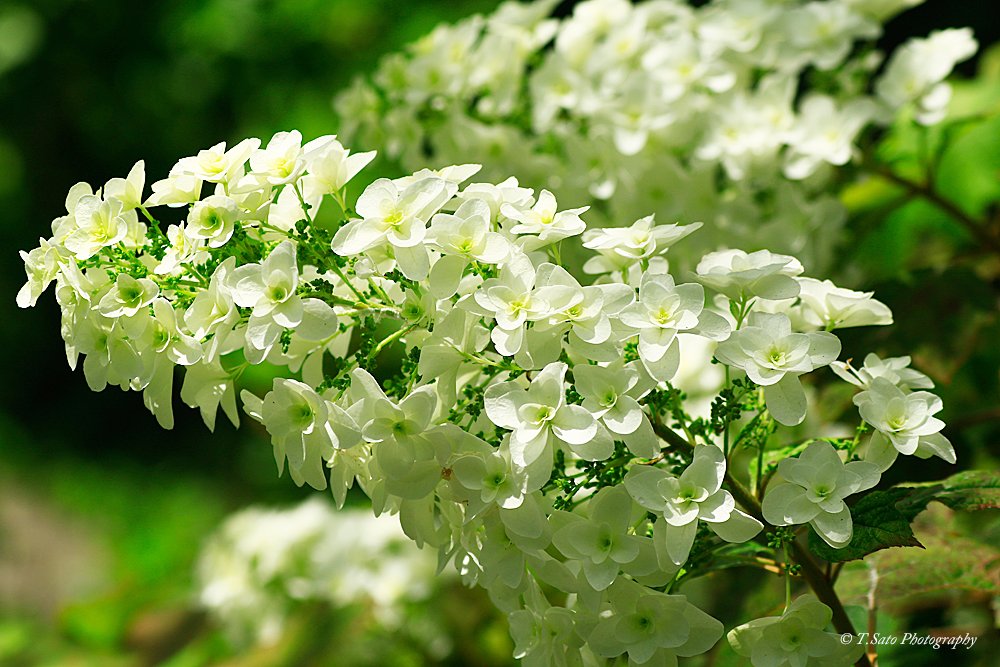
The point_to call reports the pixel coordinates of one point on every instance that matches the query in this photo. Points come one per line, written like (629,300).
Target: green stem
(149,217)
(340,273)
(725,432)
(302,202)
(788,578)
(394,336)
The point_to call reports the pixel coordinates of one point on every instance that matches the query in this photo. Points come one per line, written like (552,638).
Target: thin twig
(975,227)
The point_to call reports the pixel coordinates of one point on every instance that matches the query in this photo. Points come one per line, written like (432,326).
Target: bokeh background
(102,513)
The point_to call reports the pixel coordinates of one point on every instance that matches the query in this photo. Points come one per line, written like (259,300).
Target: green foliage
(879,523)
(882,518)
(968,490)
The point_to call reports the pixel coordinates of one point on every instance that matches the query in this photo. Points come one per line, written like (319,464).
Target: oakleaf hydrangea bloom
(539,414)
(895,369)
(301,424)
(742,276)
(826,306)
(652,627)
(621,248)
(397,217)
(696,495)
(774,357)
(711,112)
(904,423)
(529,432)
(814,489)
(916,72)
(263,563)
(797,637)
(664,309)
(269,288)
(601,542)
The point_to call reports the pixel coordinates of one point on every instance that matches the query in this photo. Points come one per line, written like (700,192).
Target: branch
(811,571)
(973,226)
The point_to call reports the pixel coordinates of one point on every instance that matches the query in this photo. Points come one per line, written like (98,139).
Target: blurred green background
(102,513)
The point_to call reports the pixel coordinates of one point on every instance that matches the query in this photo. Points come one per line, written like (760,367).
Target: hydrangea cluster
(528,429)
(262,562)
(735,112)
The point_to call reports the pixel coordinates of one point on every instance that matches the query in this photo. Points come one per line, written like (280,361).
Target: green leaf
(969,490)
(881,520)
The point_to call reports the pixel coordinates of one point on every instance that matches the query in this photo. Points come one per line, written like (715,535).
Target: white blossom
(696,495)
(797,637)
(904,423)
(894,369)
(815,485)
(774,357)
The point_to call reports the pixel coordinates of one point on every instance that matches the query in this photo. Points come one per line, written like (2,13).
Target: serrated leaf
(881,520)
(970,490)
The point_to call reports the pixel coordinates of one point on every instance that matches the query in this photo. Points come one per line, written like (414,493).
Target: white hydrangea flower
(904,423)
(797,637)
(491,474)
(111,355)
(741,276)
(42,266)
(774,357)
(216,164)
(696,495)
(621,248)
(462,443)
(262,563)
(544,636)
(179,188)
(270,289)
(213,219)
(826,306)
(128,296)
(540,413)
(305,429)
(398,217)
(611,394)
(281,161)
(662,310)
(128,190)
(601,541)
(894,369)
(916,72)
(513,300)
(815,485)
(652,627)
(208,387)
(824,133)
(825,31)
(543,224)
(464,236)
(330,165)
(586,312)
(99,223)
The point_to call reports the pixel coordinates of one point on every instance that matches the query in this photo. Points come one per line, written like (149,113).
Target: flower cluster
(260,563)
(529,430)
(736,112)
